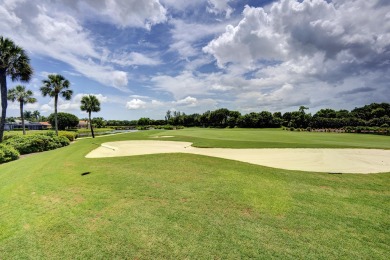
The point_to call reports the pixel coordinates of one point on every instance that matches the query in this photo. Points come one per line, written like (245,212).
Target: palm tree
(90,104)
(27,114)
(20,94)
(36,115)
(14,63)
(53,86)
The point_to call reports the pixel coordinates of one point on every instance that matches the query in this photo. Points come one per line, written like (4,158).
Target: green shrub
(168,127)
(70,135)
(26,144)
(61,140)
(8,153)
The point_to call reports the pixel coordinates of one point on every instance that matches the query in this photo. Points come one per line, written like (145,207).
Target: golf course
(60,204)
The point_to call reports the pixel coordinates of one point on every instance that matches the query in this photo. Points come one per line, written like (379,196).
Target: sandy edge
(304,159)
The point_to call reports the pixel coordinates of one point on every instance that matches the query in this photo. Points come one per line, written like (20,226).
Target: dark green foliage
(8,153)
(144,121)
(65,120)
(71,136)
(373,115)
(36,143)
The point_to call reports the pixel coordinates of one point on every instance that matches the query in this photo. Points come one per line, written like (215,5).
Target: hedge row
(25,144)
(8,153)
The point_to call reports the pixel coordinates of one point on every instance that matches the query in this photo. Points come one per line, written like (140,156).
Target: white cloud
(134,59)
(182,5)
(122,13)
(290,31)
(187,35)
(49,31)
(139,96)
(188,101)
(72,105)
(302,52)
(77,98)
(220,6)
(135,104)
(252,39)
(46,108)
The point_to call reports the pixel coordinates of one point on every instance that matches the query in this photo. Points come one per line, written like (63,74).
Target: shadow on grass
(85,173)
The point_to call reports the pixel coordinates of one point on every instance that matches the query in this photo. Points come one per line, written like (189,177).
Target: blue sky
(142,58)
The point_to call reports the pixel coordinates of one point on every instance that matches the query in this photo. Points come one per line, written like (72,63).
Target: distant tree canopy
(65,120)
(370,115)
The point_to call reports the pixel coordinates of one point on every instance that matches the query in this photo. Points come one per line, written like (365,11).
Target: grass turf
(277,138)
(59,204)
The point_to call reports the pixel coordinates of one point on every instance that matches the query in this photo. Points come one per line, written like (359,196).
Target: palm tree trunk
(22,116)
(3,90)
(55,114)
(90,123)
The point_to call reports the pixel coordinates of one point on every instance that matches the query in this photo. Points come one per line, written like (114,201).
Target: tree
(36,115)
(90,104)
(14,63)
(64,120)
(144,121)
(53,86)
(27,114)
(23,96)
(168,116)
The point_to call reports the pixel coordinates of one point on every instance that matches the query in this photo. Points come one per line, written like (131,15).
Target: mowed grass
(277,138)
(58,204)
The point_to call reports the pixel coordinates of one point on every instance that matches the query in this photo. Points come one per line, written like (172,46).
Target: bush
(61,141)
(8,153)
(70,135)
(26,144)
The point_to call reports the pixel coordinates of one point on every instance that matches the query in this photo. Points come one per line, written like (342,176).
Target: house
(83,124)
(28,125)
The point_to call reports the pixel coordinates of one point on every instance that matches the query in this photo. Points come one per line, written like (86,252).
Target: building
(28,125)
(83,124)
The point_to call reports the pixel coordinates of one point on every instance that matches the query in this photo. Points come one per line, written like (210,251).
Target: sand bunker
(317,160)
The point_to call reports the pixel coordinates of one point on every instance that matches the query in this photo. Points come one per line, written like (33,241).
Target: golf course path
(304,159)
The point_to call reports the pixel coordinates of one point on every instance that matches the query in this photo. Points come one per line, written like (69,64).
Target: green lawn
(59,204)
(277,138)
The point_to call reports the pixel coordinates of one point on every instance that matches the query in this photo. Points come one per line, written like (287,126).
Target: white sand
(317,160)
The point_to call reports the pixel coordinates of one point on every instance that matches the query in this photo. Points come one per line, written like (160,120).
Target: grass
(277,138)
(59,204)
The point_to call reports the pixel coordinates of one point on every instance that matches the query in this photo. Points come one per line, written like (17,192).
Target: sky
(142,58)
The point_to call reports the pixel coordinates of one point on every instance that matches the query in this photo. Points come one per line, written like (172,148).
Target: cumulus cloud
(188,101)
(334,36)
(54,29)
(72,105)
(186,35)
(48,31)
(311,46)
(135,104)
(182,5)
(123,13)
(220,6)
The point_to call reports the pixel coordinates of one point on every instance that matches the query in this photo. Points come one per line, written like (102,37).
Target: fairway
(277,138)
(59,204)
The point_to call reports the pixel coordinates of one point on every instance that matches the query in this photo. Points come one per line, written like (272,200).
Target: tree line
(375,115)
